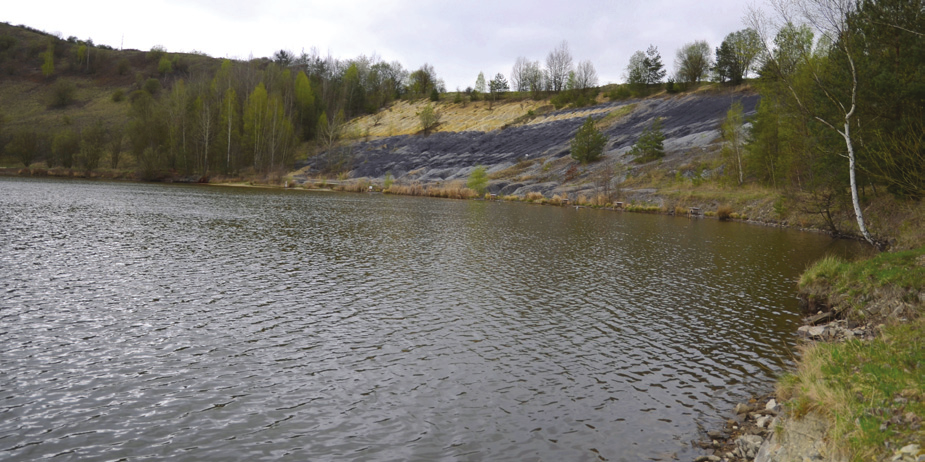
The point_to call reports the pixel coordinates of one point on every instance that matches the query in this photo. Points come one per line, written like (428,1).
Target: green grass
(893,278)
(614,116)
(872,392)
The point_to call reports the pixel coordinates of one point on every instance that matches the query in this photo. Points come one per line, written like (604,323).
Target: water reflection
(177,322)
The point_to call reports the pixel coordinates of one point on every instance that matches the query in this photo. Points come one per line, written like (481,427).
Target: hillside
(78,92)
(530,153)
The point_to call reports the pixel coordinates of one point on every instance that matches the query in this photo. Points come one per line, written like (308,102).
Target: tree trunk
(854,185)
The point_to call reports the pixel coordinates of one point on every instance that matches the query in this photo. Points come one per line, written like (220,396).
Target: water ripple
(188,323)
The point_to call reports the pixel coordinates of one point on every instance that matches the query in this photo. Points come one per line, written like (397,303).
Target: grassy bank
(871,392)
(883,288)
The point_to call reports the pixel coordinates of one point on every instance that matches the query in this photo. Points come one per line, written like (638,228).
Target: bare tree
(585,75)
(829,18)
(519,74)
(534,77)
(558,66)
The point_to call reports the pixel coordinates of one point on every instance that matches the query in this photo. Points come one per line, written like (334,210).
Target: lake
(172,322)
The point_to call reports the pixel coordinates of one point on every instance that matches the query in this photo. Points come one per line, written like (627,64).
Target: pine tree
(650,145)
(588,144)
(655,70)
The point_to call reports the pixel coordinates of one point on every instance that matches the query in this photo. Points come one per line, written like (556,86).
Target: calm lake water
(165,322)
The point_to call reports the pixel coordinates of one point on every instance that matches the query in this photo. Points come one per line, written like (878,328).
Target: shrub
(388,180)
(571,173)
(62,94)
(156,53)
(429,118)
(118,96)
(650,145)
(123,67)
(620,93)
(152,86)
(7,42)
(23,146)
(535,196)
(478,180)
(724,212)
(164,66)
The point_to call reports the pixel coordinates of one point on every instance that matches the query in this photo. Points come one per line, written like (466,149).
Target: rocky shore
(761,430)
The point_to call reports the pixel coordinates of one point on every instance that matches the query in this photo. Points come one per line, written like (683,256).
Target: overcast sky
(458,38)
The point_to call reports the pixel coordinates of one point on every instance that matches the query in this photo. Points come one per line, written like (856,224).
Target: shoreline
(360,186)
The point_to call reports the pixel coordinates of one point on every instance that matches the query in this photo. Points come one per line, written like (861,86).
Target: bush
(123,67)
(619,93)
(62,94)
(118,96)
(7,42)
(724,213)
(23,146)
(156,53)
(152,86)
(671,87)
(389,179)
(164,66)
(429,118)
(478,180)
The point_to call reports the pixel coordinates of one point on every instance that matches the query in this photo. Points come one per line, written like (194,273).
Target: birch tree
(733,131)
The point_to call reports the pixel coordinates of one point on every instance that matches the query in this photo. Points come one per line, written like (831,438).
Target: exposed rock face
(688,122)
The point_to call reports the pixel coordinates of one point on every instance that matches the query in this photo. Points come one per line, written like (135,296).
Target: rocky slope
(539,146)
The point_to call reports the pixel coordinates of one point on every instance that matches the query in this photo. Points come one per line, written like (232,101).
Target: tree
(480,84)
(636,70)
(165,65)
(588,144)
(478,180)
(891,96)
(205,115)
(255,119)
(735,56)
(65,147)
(283,58)
(645,69)
(229,123)
(23,146)
(115,146)
(48,57)
(92,141)
(422,81)
(429,118)
(693,62)
(654,69)
(558,66)
(535,78)
(498,86)
(733,132)
(519,79)
(330,131)
(650,145)
(585,76)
